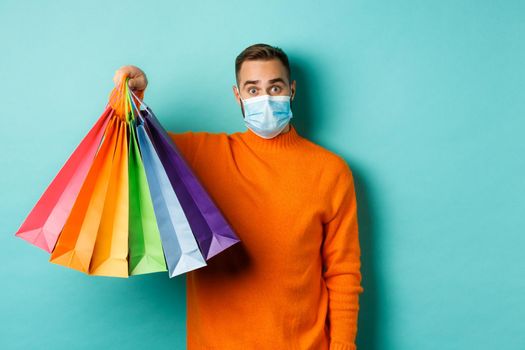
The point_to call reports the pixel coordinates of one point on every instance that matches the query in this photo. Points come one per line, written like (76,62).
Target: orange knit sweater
(294,279)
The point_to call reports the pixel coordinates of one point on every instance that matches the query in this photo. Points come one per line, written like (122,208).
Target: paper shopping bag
(74,247)
(110,253)
(210,227)
(145,246)
(126,203)
(180,247)
(46,220)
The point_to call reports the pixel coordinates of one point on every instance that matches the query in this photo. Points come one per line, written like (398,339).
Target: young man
(293,282)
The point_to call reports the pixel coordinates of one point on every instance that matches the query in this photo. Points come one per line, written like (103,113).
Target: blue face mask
(267,115)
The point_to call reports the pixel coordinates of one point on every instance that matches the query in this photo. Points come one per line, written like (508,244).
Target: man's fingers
(138,83)
(133,84)
(137,78)
(119,75)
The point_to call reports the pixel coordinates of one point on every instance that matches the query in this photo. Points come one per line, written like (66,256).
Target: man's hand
(137,78)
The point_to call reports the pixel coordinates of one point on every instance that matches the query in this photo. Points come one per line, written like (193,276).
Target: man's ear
(236,94)
(292,87)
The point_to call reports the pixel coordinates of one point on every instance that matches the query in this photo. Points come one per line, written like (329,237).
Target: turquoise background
(424,99)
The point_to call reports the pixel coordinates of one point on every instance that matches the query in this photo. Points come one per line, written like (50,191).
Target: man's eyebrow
(250,82)
(276,80)
(271,81)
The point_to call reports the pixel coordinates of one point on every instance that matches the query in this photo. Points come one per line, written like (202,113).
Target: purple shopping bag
(211,229)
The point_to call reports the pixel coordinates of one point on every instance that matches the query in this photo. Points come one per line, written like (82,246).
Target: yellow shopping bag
(111,246)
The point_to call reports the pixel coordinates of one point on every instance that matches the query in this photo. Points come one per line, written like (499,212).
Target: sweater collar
(280,142)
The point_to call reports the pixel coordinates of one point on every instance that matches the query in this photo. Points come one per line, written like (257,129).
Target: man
(294,279)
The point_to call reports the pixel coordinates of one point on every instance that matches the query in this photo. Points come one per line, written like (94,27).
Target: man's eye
(252,91)
(276,89)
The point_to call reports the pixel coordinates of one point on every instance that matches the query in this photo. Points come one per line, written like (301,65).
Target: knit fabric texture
(293,282)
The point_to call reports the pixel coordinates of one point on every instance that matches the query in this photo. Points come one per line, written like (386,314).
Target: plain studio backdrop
(424,99)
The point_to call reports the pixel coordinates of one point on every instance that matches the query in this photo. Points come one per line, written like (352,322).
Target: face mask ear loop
(290,102)
(239,92)
(242,101)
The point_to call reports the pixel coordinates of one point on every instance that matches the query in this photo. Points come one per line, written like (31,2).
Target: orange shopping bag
(76,243)
(110,254)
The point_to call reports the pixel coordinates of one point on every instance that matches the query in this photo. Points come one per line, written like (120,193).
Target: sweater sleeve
(341,260)
(186,144)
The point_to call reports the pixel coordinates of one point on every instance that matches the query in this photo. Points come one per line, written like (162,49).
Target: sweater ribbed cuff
(335,345)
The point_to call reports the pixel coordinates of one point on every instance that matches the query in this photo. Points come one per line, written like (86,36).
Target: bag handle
(124,101)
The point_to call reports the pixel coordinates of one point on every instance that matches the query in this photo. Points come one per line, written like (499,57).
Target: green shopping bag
(145,246)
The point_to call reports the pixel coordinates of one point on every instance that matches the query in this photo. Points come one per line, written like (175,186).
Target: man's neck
(286,129)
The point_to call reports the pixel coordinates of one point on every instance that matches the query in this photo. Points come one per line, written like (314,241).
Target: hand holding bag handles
(126,202)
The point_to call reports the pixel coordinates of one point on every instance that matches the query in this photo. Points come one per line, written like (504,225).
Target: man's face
(263,77)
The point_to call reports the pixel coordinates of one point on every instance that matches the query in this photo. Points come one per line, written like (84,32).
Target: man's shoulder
(329,159)
(197,136)
(192,143)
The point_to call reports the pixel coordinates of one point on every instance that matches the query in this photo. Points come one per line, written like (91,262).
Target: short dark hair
(261,52)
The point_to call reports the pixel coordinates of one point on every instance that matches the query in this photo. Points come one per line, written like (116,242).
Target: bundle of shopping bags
(126,202)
